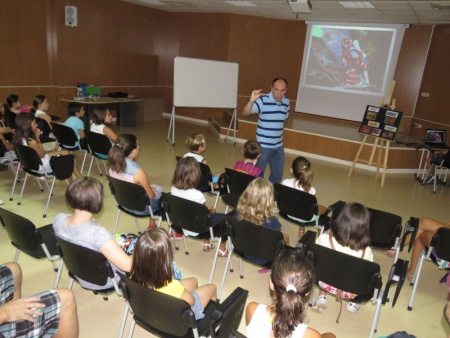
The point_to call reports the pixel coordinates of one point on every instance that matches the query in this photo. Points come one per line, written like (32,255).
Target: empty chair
(129,197)
(89,265)
(251,242)
(235,183)
(440,244)
(62,168)
(294,203)
(99,146)
(67,139)
(38,243)
(183,214)
(172,317)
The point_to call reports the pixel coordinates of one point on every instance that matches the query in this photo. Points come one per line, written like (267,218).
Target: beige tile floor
(401,194)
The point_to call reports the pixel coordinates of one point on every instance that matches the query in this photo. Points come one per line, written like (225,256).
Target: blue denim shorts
(197,308)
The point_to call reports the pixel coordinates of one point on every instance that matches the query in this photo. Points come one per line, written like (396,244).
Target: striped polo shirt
(272,115)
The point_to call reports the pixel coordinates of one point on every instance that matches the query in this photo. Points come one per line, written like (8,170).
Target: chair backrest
(62,166)
(85,263)
(295,203)
(441,242)
(22,233)
(254,240)
(28,157)
(98,143)
(238,181)
(346,272)
(385,227)
(186,214)
(64,135)
(156,311)
(231,309)
(45,129)
(10,118)
(128,195)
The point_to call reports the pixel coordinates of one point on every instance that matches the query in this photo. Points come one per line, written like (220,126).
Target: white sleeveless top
(97,128)
(261,325)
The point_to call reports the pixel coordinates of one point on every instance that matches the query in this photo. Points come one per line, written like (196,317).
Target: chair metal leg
(90,166)
(136,223)
(230,253)
(124,320)
(416,279)
(376,316)
(19,202)
(70,284)
(241,269)
(49,196)
(186,251)
(117,221)
(16,177)
(58,274)
(213,265)
(132,326)
(16,256)
(98,166)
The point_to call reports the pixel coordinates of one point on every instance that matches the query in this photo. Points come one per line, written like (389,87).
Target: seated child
(252,152)
(153,267)
(75,121)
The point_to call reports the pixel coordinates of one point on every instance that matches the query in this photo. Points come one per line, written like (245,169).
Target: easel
(384,145)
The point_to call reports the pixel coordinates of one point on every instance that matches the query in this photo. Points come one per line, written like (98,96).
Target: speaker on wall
(71,18)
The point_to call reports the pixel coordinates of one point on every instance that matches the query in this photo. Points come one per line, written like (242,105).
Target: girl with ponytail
(291,281)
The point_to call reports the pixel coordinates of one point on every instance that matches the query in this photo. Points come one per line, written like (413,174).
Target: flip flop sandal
(223,253)
(207,247)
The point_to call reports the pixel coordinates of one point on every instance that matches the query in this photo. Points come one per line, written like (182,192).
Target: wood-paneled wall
(121,46)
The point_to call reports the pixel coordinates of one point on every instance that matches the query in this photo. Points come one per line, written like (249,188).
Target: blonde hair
(257,203)
(195,141)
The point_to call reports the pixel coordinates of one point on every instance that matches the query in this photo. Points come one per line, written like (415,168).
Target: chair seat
(105,291)
(231,199)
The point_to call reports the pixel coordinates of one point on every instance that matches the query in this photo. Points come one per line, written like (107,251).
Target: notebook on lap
(435,138)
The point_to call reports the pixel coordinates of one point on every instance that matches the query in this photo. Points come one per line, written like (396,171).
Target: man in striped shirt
(273,110)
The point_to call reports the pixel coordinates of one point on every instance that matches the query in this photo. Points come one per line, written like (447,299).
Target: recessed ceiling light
(241,3)
(356,4)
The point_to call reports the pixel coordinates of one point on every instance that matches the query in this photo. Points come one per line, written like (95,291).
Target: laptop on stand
(435,138)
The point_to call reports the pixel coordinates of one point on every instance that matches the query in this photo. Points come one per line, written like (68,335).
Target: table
(126,109)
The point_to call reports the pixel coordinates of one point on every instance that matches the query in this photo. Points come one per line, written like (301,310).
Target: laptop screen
(435,136)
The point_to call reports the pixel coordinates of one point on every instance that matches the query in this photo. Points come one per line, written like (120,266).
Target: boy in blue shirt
(75,121)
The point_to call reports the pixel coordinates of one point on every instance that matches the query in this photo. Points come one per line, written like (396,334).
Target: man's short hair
(279,78)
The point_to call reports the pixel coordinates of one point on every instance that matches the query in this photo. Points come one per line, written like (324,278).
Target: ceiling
(415,12)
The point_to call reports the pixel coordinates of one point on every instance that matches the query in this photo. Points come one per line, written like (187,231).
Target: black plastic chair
(10,118)
(188,215)
(235,183)
(441,244)
(167,316)
(352,274)
(438,168)
(246,239)
(36,242)
(67,139)
(132,196)
(385,228)
(62,169)
(88,265)
(298,204)
(99,145)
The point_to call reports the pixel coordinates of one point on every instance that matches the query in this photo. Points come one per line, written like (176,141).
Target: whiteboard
(205,83)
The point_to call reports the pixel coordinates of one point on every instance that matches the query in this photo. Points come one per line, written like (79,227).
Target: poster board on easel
(382,124)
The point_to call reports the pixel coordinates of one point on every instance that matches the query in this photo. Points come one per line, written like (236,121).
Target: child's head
(75,109)
(257,202)
(195,142)
(122,148)
(291,280)
(153,259)
(351,226)
(101,115)
(301,169)
(13,101)
(252,150)
(85,193)
(187,173)
(40,102)
(24,129)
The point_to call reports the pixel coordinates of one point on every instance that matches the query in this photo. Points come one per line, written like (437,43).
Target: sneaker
(177,235)
(353,307)
(428,179)
(320,304)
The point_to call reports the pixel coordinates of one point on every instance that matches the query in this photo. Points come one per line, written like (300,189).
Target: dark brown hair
(252,149)
(99,114)
(187,173)
(290,268)
(351,227)
(23,127)
(123,146)
(85,193)
(153,259)
(301,169)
